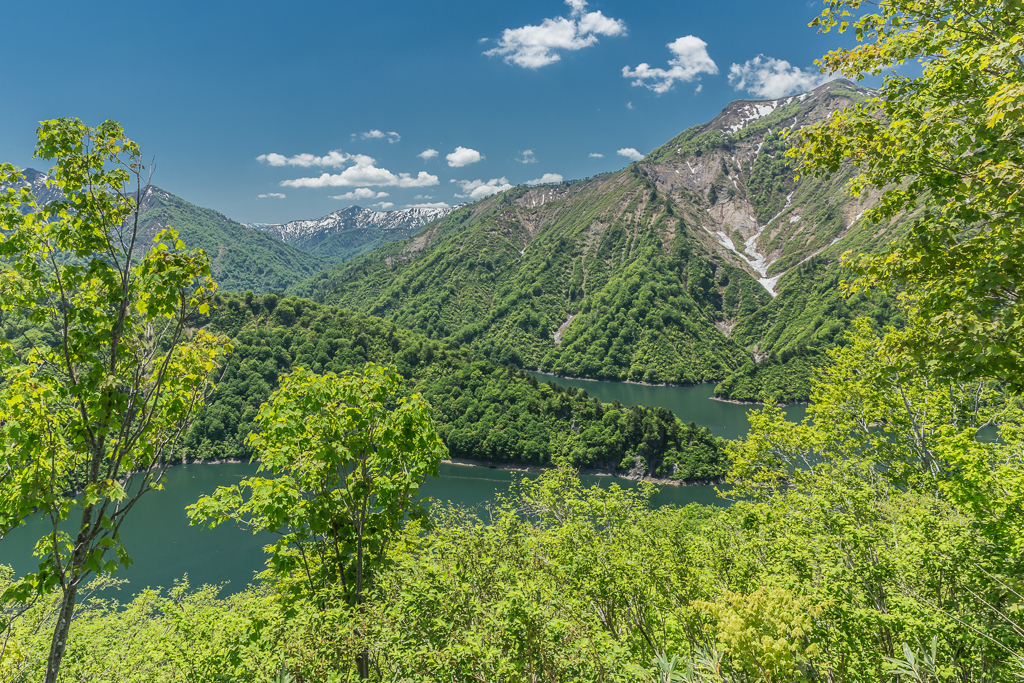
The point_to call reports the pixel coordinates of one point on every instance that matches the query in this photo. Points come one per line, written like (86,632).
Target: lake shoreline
(619,381)
(508,466)
(538,469)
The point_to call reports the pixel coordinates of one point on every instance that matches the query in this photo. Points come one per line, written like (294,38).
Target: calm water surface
(690,404)
(165,548)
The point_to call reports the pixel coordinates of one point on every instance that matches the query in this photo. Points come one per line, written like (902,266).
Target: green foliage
(839,578)
(771,178)
(641,326)
(99,404)
(614,253)
(349,453)
(791,335)
(885,446)
(482,410)
(945,151)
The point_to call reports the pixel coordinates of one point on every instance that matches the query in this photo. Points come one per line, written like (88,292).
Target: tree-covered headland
(483,410)
(879,540)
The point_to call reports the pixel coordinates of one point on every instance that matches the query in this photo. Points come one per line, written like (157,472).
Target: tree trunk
(60,633)
(363,664)
(67,605)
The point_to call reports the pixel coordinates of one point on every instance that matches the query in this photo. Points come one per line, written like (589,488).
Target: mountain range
(261,257)
(353,230)
(705,261)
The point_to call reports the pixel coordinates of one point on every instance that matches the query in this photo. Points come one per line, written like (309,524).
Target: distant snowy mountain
(36,180)
(352,231)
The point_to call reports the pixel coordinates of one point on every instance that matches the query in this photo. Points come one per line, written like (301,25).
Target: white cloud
(463,156)
(478,189)
(361,193)
(545,179)
(384,206)
(392,136)
(698,89)
(335,159)
(434,205)
(532,47)
(690,61)
(423,196)
(774,78)
(428,154)
(527,157)
(482,40)
(629,105)
(630,154)
(596,155)
(364,173)
(270,195)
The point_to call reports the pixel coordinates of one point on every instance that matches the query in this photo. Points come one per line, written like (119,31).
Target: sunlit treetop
(945,151)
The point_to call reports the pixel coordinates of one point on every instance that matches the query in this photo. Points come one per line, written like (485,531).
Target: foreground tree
(947,151)
(886,445)
(350,453)
(95,401)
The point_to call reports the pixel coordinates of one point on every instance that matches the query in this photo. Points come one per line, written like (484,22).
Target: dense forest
(483,410)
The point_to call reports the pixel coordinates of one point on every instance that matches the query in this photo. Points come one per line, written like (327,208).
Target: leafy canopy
(947,151)
(97,400)
(349,453)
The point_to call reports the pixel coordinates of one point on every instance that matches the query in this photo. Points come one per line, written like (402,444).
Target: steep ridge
(790,233)
(352,231)
(242,258)
(691,265)
(757,212)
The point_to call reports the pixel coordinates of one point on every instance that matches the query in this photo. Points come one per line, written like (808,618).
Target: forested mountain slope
(680,268)
(242,258)
(610,255)
(482,410)
(352,231)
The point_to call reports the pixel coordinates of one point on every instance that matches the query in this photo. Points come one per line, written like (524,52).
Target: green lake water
(690,403)
(165,548)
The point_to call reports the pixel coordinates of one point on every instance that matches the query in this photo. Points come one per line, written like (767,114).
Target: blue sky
(339,101)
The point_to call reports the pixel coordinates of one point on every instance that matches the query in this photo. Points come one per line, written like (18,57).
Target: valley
(743,408)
